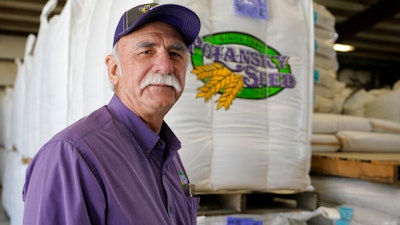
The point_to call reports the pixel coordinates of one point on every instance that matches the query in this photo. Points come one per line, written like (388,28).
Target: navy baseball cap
(183,19)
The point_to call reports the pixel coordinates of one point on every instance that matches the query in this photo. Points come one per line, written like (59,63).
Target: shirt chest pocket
(193,206)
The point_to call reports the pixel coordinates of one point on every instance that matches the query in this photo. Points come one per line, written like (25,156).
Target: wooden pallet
(234,202)
(378,167)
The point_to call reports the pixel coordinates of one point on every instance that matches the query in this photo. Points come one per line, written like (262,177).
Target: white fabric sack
(376,196)
(333,123)
(323,18)
(330,35)
(81,12)
(386,106)
(93,27)
(355,103)
(54,76)
(378,92)
(99,44)
(2,117)
(233,129)
(262,136)
(191,117)
(3,163)
(18,116)
(356,141)
(367,216)
(13,182)
(326,62)
(6,106)
(323,91)
(33,104)
(271,218)
(323,105)
(340,99)
(325,143)
(324,76)
(384,126)
(324,47)
(95,92)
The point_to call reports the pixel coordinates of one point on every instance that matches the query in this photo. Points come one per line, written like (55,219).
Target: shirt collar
(146,138)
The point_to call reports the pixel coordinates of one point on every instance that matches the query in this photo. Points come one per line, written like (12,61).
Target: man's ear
(112,69)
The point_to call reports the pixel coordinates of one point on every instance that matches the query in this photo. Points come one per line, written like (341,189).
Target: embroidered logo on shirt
(184,180)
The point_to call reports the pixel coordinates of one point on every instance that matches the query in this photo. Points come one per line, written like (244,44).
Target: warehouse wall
(11,47)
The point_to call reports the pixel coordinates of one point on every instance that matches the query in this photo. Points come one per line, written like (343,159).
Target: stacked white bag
(252,144)
(385,106)
(6,104)
(329,93)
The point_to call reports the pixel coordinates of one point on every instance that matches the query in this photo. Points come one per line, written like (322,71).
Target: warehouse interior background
(372,26)
(367,87)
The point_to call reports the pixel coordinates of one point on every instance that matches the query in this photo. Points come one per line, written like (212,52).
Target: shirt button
(147,152)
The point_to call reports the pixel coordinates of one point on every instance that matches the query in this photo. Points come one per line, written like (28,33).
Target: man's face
(152,58)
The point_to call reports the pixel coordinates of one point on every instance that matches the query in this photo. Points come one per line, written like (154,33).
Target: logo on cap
(146,8)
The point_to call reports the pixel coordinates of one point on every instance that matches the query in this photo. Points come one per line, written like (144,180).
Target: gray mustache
(161,79)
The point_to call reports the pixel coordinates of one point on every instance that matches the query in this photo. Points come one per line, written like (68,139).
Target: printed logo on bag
(235,64)
(256,9)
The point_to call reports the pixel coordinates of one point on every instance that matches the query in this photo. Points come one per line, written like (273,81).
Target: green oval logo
(222,58)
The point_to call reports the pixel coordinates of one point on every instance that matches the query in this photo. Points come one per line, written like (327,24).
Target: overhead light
(343,48)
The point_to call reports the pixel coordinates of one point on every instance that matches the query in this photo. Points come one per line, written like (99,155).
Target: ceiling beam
(382,10)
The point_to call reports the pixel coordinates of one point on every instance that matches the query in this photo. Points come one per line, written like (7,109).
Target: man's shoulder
(89,124)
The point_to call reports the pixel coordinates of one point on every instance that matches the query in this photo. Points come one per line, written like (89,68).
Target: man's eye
(146,52)
(175,54)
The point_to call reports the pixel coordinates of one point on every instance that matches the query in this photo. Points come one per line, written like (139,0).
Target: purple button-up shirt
(109,168)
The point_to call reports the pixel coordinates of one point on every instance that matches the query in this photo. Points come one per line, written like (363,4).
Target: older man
(120,165)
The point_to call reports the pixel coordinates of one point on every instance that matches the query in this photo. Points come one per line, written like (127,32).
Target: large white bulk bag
(93,26)
(6,106)
(13,181)
(87,68)
(19,100)
(258,138)
(54,75)
(34,81)
(102,24)
(81,12)
(195,128)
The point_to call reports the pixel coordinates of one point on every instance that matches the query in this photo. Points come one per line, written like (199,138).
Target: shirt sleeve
(61,188)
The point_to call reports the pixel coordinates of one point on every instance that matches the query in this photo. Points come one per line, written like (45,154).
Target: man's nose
(163,63)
